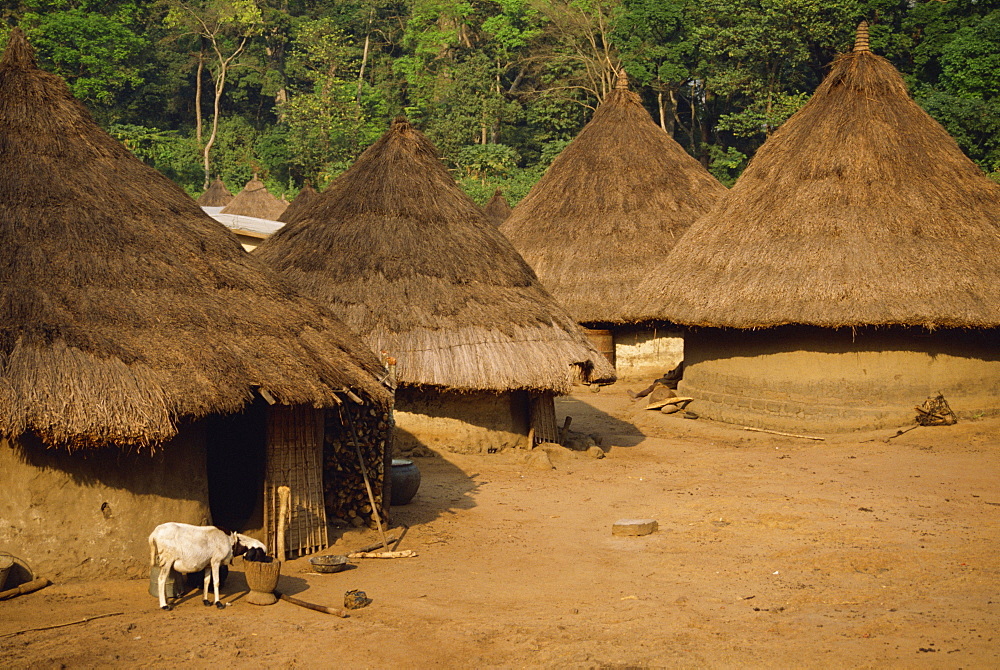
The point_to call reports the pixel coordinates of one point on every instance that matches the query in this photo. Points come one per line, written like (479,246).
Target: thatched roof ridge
(859,210)
(497,209)
(298,204)
(217,195)
(416,269)
(255,200)
(615,201)
(125,309)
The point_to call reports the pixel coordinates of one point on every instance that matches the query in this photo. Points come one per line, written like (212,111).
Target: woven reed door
(543,418)
(295,460)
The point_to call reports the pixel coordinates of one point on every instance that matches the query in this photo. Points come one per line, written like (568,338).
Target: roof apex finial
(19,52)
(622,82)
(861,40)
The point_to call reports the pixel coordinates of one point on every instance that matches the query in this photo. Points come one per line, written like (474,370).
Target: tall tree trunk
(220,85)
(364,56)
(276,54)
(197,92)
(660,108)
(220,82)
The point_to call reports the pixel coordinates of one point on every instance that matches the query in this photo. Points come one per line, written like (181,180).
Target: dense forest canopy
(295,89)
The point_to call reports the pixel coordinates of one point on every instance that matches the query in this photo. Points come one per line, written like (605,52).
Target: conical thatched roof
(217,195)
(610,206)
(255,200)
(299,204)
(859,210)
(124,309)
(497,209)
(417,270)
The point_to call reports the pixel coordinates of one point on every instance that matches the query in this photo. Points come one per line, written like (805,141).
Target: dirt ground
(772,552)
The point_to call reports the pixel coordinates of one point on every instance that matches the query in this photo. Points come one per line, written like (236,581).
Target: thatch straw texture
(497,209)
(124,308)
(610,206)
(416,269)
(255,200)
(217,195)
(859,210)
(299,204)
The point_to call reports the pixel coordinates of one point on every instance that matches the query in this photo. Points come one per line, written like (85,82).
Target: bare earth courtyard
(771,552)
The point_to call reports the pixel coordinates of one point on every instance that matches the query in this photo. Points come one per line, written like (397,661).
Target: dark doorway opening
(236,461)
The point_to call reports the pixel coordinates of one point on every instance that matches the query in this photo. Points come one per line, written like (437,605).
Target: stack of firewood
(343,483)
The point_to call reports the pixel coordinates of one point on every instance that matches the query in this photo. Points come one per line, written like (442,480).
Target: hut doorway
(236,458)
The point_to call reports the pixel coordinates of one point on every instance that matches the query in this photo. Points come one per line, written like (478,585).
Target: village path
(771,552)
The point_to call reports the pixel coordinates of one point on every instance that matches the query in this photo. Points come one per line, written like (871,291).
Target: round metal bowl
(329,563)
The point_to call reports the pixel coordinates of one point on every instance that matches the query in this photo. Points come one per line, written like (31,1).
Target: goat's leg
(161,583)
(215,578)
(208,578)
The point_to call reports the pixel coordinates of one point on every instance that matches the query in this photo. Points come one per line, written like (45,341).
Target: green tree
(657,44)
(96,47)
(956,73)
(224,28)
(327,123)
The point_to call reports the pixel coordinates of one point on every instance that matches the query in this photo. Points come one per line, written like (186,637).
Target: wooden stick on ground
(27,587)
(310,606)
(62,625)
(406,553)
(900,432)
(395,547)
(376,546)
(775,432)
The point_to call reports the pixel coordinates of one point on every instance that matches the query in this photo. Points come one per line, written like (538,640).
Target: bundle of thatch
(255,200)
(610,206)
(217,195)
(859,210)
(497,209)
(299,204)
(416,269)
(124,309)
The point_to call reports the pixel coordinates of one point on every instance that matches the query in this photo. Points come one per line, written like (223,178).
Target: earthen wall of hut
(465,423)
(89,514)
(646,352)
(823,380)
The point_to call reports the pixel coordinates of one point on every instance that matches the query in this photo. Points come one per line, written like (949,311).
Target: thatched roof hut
(414,267)
(860,210)
(299,204)
(255,200)
(142,324)
(131,321)
(851,271)
(497,209)
(607,210)
(217,195)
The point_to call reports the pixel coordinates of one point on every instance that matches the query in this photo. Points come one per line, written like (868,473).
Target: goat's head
(238,547)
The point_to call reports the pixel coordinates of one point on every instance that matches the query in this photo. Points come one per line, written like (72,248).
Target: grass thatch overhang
(255,200)
(217,195)
(610,206)
(497,209)
(860,210)
(124,308)
(299,204)
(414,267)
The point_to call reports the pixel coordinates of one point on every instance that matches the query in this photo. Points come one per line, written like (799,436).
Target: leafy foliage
(499,85)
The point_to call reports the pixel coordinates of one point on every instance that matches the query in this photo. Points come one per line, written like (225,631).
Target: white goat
(186,548)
